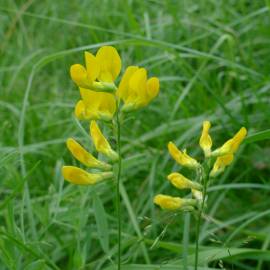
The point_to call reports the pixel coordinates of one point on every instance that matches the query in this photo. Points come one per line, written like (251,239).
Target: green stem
(186,240)
(198,225)
(118,179)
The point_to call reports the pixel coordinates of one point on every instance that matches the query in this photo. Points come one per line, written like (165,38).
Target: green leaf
(102,223)
(231,254)
(259,136)
(40,265)
(156,267)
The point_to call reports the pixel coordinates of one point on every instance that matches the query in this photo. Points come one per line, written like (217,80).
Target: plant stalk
(118,196)
(198,225)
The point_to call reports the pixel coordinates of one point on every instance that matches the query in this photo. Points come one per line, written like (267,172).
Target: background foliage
(213,60)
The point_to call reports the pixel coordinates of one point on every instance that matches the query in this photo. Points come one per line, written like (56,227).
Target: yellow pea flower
(95,105)
(231,145)
(181,182)
(135,89)
(100,142)
(173,203)
(220,164)
(205,140)
(105,67)
(182,157)
(84,156)
(78,176)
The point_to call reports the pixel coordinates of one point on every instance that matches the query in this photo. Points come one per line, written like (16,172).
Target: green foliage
(213,60)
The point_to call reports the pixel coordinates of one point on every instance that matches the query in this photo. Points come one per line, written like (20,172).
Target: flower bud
(181,182)
(182,157)
(78,176)
(173,203)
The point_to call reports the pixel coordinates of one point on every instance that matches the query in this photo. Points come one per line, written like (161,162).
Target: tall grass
(213,60)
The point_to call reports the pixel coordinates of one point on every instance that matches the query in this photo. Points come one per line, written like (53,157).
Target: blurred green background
(213,61)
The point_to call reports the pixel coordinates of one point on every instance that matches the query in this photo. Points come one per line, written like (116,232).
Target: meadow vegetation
(213,61)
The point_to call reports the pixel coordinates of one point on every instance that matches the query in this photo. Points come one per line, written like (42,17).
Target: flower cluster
(223,157)
(99,94)
(102,99)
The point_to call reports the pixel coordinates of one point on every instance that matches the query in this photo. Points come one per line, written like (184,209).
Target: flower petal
(78,74)
(231,146)
(205,140)
(83,113)
(152,88)
(137,95)
(220,164)
(107,106)
(110,63)
(123,89)
(92,66)
(137,84)
(238,138)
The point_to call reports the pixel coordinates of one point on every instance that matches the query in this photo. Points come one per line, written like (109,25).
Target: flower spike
(78,176)
(205,140)
(182,157)
(85,157)
(101,143)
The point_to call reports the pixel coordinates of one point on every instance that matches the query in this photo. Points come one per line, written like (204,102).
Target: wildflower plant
(103,100)
(213,165)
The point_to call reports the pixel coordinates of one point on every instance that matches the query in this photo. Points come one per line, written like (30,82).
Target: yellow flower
(102,68)
(173,203)
(231,146)
(182,157)
(95,105)
(85,157)
(100,142)
(220,164)
(181,182)
(105,67)
(135,89)
(78,176)
(205,140)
